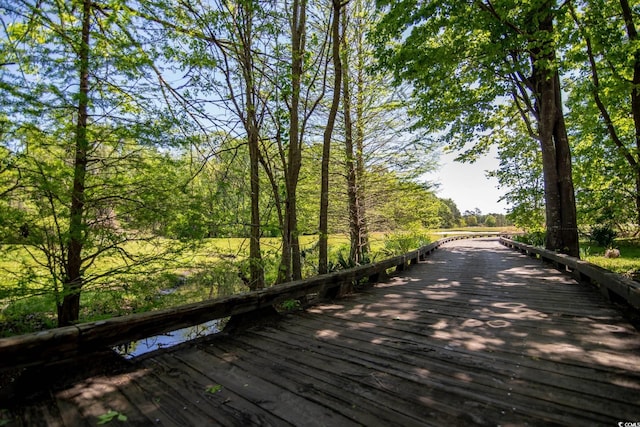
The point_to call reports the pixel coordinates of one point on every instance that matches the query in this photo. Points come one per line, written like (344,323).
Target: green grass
(186,273)
(181,275)
(507,229)
(627,263)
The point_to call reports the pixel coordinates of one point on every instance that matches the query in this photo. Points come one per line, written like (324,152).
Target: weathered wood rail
(610,284)
(77,340)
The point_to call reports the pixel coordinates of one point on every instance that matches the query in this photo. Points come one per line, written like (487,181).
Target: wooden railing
(73,341)
(612,285)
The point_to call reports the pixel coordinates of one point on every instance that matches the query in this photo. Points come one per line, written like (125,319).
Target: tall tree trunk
(280,278)
(561,220)
(323,258)
(284,269)
(69,311)
(355,252)
(291,260)
(363,232)
(255,256)
(256,270)
(569,218)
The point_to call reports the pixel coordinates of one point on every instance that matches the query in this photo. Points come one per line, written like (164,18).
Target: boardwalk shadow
(506,327)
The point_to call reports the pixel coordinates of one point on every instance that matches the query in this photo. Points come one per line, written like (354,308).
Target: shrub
(401,243)
(534,238)
(603,235)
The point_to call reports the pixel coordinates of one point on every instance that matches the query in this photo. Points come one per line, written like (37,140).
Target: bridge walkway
(477,334)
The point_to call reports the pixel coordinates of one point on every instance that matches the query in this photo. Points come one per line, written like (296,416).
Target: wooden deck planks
(445,369)
(475,335)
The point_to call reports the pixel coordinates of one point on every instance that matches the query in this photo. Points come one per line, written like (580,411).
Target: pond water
(147,345)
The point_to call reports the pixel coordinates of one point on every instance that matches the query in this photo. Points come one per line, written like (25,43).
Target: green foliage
(451,54)
(603,235)
(520,175)
(27,316)
(216,388)
(628,264)
(402,242)
(471,220)
(164,174)
(534,238)
(339,258)
(205,271)
(603,57)
(398,204)
(110,416)
(84,150)
(290,305)
(5,417)
(449,214)
(585,252)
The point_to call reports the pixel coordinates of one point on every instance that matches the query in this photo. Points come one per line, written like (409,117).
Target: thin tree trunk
(284,269)
(69,311)
(323,258)
(255,256)
(284,272)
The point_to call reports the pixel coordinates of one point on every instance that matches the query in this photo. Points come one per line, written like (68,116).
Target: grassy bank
(174,273)
(627,264)
(196,272)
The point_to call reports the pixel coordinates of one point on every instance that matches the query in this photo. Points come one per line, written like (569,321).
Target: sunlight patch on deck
(439,295)
(470,341)
(327,333)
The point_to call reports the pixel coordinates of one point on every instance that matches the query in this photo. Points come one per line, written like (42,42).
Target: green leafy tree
(376,133)
(236,48)
(520,174)
(490,221)
(401,204)
(450,214)
(471,220)
(464,60)
(77,126)
(241,20)
(605,107)
(337,88)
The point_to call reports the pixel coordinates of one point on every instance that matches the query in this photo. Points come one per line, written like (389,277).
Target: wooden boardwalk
(475,335)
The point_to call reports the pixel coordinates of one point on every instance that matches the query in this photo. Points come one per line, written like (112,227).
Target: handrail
(607,281)
(72,341)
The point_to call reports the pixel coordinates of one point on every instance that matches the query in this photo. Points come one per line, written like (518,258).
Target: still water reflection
(146,345)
